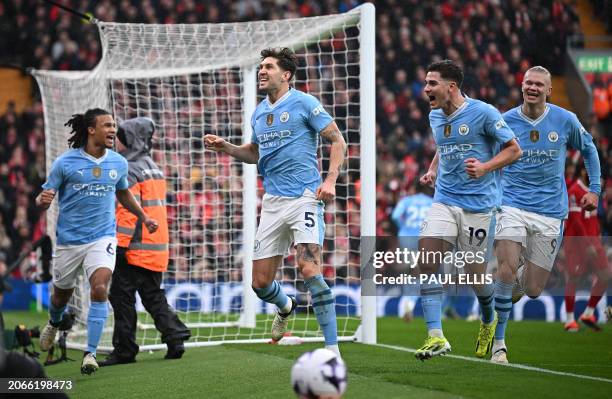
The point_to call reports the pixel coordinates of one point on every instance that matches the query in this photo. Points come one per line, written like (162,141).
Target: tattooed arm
(327,191)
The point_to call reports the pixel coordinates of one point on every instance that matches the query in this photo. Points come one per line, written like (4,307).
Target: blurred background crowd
(495,41)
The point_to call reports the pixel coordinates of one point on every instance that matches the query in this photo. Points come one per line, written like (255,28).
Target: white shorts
(467,231)
(539,235)
(68,259)
(285,221)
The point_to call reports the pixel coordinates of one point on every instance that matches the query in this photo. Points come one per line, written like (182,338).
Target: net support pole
(367,79)
(249,201)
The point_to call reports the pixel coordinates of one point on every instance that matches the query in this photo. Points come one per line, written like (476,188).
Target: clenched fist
(45,198)
(213,142)
(428,179)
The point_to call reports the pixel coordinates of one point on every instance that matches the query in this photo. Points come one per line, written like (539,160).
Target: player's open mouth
(432,98)
(532,96)
(110,137)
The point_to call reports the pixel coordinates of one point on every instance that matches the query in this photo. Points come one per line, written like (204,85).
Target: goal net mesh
(198,79)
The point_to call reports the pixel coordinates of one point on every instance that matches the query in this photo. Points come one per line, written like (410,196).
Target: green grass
(262,371)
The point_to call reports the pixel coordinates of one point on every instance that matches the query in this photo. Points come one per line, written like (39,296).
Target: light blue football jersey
(85,188)
(536,182)
(410,212)
(475,130)
(287,133)
(408,215)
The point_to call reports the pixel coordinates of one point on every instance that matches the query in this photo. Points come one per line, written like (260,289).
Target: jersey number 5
(309,217)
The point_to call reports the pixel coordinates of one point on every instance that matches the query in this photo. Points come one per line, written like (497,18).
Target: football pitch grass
(548,363)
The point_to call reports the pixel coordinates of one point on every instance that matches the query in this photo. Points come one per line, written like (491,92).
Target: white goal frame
(98,80)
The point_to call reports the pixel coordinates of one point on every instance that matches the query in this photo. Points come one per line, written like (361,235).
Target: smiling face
(104,133)
(536,87)
(438,90)
(271,76)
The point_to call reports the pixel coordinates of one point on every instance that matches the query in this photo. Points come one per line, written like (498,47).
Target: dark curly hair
(287,59)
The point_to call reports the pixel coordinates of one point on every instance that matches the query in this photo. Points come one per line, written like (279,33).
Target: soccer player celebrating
(286,128)
(468,134)
(583,253)
(534,201)
(87,178)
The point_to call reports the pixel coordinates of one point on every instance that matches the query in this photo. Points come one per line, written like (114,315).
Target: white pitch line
(514,365)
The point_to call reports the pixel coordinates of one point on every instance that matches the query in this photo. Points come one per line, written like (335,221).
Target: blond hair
(540,69)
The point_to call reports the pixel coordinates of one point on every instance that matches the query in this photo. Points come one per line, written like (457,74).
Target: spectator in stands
(5,240)
(601,100)
(495,41)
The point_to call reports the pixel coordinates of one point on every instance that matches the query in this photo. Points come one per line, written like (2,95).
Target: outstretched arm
(327,191)
(248,153)
(126,198)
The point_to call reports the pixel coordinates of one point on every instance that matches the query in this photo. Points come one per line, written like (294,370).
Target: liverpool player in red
(583,253)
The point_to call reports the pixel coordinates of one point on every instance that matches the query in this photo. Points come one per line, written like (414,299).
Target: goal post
(367,79)
(202,78)
(248,317)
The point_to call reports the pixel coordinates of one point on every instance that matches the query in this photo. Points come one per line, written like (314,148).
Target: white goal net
(198,79)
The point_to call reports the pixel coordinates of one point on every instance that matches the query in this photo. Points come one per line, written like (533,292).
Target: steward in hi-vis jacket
(142,257)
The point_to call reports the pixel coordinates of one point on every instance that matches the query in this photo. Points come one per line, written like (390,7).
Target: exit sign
(595,63)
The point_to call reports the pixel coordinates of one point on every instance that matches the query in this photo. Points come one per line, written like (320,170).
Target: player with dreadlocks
(87,178)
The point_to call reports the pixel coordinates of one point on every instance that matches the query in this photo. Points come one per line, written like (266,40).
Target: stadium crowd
(603,9)
(495,42)
(22,152)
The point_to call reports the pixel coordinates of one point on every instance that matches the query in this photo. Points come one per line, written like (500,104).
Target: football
(319,373)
